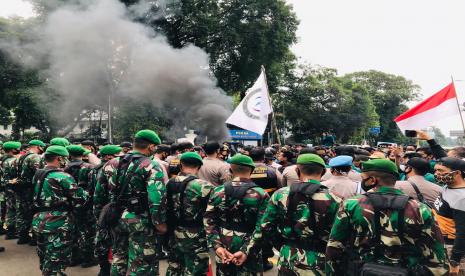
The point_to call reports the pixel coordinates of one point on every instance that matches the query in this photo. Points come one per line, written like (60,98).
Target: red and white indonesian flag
(437,107)
(252,113)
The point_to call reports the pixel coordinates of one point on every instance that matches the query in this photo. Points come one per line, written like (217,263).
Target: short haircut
(310,169)
(50,157)
(163,149)
(307,150)
(257,154)
(211,147)
(361,157)
(185,146)
(288,154)
(385,178)
(460,152)
(241,169)
(140,143)
(426,150)
(345,169)
(174,147)
(191,163)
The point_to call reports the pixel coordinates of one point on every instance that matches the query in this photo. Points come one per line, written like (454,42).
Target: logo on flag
(252,104)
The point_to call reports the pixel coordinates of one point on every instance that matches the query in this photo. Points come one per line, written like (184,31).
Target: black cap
(419,164)
(452,163)
(126,144)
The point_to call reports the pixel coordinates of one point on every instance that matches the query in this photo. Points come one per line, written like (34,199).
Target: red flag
(439,106)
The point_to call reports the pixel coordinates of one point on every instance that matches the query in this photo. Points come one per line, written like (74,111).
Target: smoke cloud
(93,49)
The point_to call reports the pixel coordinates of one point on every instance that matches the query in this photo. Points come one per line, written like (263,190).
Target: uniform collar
(313,181)
(388,190)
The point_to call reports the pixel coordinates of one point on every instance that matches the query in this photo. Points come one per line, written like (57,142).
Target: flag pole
(273,118)
(458,106)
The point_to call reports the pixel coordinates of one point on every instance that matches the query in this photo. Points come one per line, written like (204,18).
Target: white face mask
(402,168)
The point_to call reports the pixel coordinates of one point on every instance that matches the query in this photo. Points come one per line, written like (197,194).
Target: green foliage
(389,93)
(133,115)
(320,101)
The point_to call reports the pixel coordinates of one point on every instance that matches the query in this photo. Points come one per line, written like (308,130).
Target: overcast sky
(423,40)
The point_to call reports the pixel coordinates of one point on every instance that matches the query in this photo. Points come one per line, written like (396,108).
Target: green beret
(310,158)
(380,165)
(110,150)
(242,160)
(191,155)
(36,143)
(11,145)
(59,141)
(57,150)
(86,152)
(149,135)
(76,150)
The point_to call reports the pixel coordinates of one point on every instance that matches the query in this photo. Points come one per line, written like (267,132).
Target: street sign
(239,134)
(375,130)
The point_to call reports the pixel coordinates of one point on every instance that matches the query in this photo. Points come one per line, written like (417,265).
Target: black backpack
(111,212)
(39,178)
(238,193)
(298,192)
(382,202)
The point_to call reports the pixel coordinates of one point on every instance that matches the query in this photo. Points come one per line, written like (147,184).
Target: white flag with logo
(252,113)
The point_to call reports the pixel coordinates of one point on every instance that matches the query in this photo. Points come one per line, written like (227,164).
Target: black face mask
(364,185)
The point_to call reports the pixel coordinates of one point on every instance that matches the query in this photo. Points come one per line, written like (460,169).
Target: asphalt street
(22,260)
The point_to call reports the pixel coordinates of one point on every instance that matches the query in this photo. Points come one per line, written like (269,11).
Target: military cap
(310,158)
(1,143)
(341,161)
(380,165)
(110,150)
(452,163)
(60,141)
(126,144)
(76,150)
(36,143)
(191,155)
(11,145)
(242,160)
(149,135)
(86,152)
(57,150)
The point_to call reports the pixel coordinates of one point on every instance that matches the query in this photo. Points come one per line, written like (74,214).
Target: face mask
(364,185)
(402,168)
(445,179)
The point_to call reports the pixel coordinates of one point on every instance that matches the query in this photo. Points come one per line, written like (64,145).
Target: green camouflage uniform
(29,165)
(2,196)
(83,237)
(188,244)
(354,224)
(301,248)
(54,227)
(253,205)
(10,171)
(101,198)
(135,244)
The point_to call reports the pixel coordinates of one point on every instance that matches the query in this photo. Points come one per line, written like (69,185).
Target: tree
(319,101)
(389,94)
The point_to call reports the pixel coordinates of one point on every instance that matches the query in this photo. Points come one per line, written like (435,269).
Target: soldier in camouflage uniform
(55,194)
(9,180)
(101,176)
(136,240)
(234,211)
(28,164)
(187,199)
(298,220)
(382,232)
(83,248)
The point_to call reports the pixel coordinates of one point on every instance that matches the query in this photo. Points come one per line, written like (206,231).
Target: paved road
(22,260)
